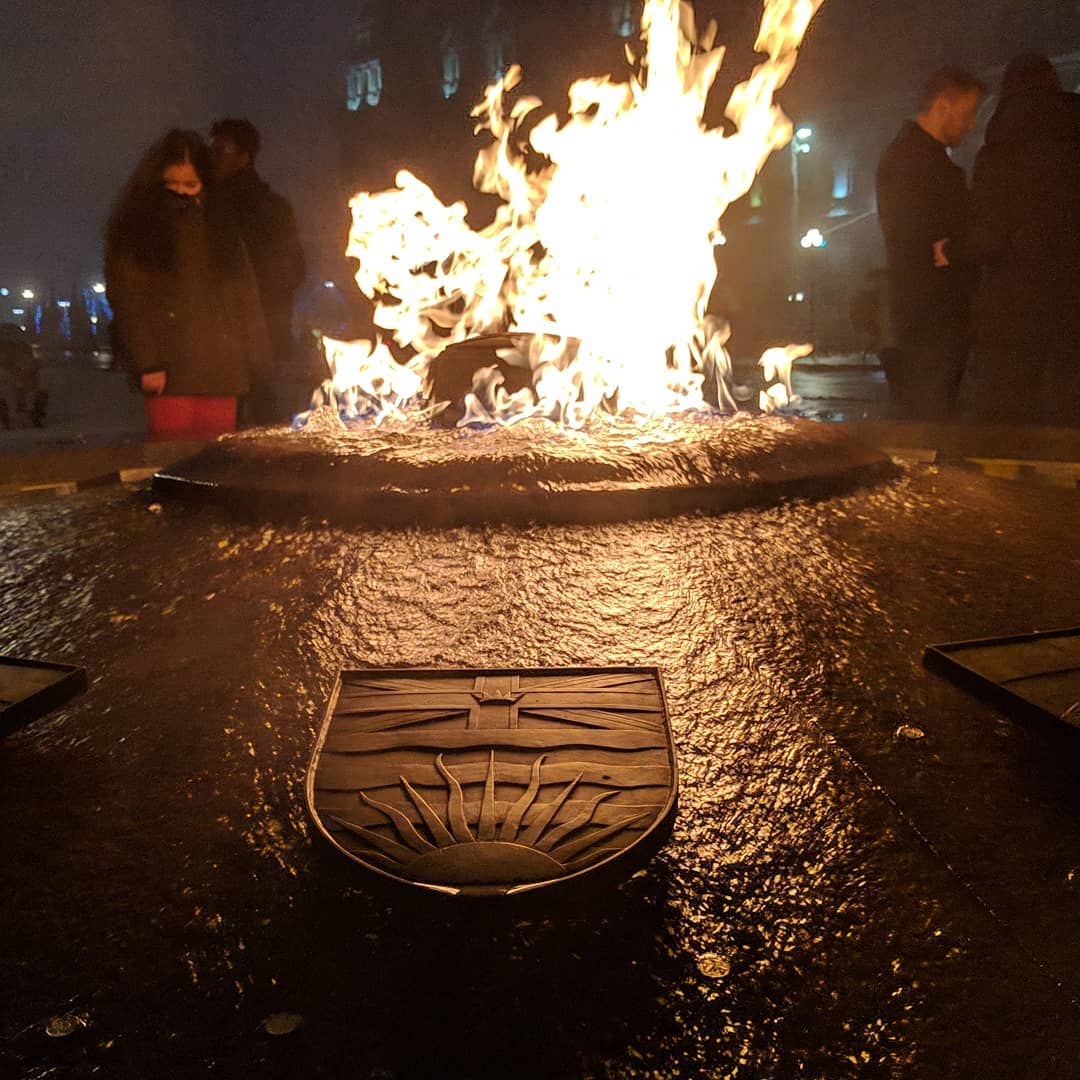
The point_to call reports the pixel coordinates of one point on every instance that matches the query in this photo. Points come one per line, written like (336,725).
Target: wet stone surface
(836,900)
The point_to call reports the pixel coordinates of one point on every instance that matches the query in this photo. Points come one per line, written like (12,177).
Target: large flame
(600,255)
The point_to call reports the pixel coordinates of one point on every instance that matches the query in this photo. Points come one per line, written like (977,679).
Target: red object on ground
(169,417)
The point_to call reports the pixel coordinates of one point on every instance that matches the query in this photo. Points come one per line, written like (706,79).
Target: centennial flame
(600,255)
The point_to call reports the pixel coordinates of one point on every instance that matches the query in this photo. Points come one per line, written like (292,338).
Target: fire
(600,257)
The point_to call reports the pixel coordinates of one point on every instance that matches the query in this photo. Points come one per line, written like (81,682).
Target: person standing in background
(923,209)
(1026,232)
(267,224)
(186,309)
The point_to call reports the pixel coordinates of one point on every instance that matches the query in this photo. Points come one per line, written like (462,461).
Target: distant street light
(800,144)
(328,284)
(28,294)
(814,240)
(99,288)
(3,292)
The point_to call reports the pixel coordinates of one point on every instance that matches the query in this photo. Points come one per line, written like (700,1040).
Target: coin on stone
(59,1027)
(714,966)
(282,1023)
(908,731)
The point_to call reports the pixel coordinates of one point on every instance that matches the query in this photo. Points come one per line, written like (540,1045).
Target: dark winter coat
(199,320)
(1026,222)
(267,225)
(922,198)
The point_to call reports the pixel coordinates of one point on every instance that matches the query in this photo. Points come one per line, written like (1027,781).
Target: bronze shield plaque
(495,782)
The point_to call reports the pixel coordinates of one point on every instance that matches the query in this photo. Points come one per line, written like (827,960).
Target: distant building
(412,73)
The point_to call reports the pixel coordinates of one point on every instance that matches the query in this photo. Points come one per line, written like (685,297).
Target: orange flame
(603,258)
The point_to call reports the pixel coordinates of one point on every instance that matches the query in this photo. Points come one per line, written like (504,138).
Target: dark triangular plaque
(495,782)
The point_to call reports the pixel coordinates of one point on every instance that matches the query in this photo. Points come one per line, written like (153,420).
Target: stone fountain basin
(532,471)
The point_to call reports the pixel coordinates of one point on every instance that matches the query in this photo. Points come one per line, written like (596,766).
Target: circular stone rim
(265,473)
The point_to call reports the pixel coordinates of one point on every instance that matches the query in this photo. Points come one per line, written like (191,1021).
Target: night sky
(84,89)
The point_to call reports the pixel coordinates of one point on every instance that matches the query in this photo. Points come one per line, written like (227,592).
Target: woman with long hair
(186,309)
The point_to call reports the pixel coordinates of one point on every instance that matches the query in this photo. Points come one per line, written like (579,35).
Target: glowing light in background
(451,70)
(364,85)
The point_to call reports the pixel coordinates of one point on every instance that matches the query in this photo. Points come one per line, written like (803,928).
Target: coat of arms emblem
(495,782)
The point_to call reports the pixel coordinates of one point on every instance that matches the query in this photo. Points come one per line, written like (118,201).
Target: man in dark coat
(923,209)
(268,227)
(1026,231)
